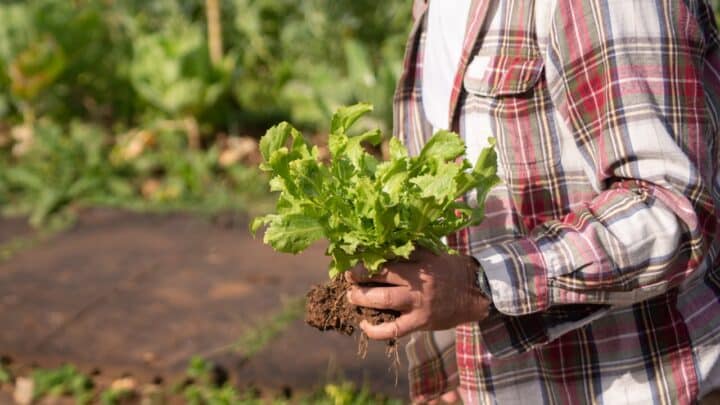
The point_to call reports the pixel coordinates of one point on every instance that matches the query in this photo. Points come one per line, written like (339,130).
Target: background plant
(122,102)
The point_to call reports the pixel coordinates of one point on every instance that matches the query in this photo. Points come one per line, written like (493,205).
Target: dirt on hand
(327,308)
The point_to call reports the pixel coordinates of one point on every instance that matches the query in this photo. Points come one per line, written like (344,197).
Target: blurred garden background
(128,169)
(158,104)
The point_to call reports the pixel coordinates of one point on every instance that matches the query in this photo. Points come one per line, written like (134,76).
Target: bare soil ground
(140,294)
(11,228)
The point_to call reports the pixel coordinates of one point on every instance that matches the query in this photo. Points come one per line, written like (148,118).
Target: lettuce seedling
(370,211)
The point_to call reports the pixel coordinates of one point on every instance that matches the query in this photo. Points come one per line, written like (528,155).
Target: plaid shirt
(600,247)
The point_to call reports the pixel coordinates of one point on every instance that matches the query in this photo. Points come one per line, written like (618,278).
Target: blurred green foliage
(205,384)
(64,380)
(204,389)
(120,101)
(127,61)
(59,168)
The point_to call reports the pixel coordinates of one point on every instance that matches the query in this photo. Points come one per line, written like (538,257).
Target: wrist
(480,291)
(481,280)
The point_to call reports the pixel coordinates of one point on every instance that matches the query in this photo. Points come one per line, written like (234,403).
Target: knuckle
(415,299)
(427,277)
(358,270)
(355,273)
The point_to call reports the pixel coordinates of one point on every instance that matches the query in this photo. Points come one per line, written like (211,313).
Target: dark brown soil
(327,308)
(141,294)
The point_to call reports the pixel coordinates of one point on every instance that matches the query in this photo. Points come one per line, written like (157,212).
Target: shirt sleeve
(432,364)
(626,78)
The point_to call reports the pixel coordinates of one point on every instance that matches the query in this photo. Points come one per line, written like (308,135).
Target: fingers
(398,328)
(420,255)
(450,397)
(399,298)
(392,272)
(359,274)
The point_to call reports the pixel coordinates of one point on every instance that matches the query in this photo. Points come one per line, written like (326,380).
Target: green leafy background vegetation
(122,102)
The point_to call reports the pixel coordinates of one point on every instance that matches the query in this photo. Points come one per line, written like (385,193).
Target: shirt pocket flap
(497,76)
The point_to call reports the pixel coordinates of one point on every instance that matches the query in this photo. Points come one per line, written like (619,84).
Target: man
(594,277)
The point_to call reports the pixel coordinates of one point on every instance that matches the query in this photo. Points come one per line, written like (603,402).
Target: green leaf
(404,250)
(369,211)
(441,186)
(293,233)
(350,243)
(345,117)
(365,196)
(259,222)
(486,164)
(397,149)
(275,138)
(444,145)
(373,137)
(337,143)
(372,260)
(341,261)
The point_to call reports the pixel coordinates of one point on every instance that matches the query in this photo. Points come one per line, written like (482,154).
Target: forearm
(624,246)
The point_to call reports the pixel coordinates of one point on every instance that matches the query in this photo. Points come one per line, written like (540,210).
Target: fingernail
(349,298)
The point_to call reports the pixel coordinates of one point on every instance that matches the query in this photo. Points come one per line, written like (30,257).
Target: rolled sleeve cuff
(518,277)
(526,312)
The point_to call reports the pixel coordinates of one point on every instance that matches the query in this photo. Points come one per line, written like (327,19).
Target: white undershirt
(445,33)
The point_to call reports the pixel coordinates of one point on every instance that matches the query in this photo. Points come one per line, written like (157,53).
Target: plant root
(327,308)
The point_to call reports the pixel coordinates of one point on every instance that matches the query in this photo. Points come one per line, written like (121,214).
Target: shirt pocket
(509,93)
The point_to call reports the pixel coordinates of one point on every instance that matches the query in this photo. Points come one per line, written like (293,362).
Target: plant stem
(214,31)
(193,132)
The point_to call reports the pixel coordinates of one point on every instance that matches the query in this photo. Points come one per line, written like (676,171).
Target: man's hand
(450,397)
(431,292)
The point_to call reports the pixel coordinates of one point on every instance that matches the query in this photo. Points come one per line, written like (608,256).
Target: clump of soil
(327,308)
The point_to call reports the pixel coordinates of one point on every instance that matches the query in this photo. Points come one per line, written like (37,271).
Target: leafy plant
(59,168)
(203,390)
(345,393)
(6,376)
(115,396)
(65,380)
(35,68)
(50,68)
(370,211)
(171,173)
(112,68)
(171,69)
(354,53)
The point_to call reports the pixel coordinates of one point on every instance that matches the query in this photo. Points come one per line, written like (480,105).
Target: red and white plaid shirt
(601,245)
